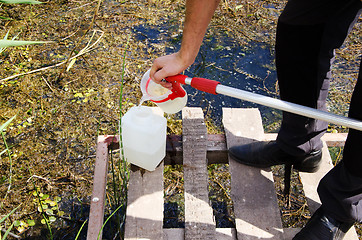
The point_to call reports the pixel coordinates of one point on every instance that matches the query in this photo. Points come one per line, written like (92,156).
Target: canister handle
(202,84)
(177,91)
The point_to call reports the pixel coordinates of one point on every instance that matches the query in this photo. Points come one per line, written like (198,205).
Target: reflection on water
(223,59)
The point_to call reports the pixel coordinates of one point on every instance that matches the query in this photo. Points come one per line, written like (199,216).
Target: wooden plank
(225,234)
(335,139)
(179,233)
(331,139)
(256,210)
(199,221)
(173,234)
(310,180)
(310,183)
(96,212)
(289,233)
(217,151)
(144,215)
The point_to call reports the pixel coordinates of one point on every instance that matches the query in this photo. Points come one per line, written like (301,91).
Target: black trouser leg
(303,77)
(341,194)
(304,51)
(352,155)
(341,189)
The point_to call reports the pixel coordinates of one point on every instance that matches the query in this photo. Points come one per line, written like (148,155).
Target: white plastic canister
(144,137)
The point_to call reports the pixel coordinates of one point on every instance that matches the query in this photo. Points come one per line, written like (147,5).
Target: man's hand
(168,65)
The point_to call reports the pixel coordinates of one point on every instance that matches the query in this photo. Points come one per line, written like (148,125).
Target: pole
(289,107)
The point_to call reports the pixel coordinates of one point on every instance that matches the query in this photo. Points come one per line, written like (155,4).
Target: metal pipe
(289,107)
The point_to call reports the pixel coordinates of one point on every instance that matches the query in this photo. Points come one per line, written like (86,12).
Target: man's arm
(197,19)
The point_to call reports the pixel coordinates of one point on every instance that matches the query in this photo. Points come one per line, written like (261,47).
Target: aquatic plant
(120,182)
(108,218)
(5,42)
(63,147)
(17,2)
(11,226)
(20,1)
(80,230)
(7,150)
(41,207)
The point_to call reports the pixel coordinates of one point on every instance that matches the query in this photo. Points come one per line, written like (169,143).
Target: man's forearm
(198,16)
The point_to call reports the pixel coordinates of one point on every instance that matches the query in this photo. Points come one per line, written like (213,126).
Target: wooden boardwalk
(257,215)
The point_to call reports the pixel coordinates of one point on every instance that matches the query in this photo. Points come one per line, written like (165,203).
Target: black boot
(323,227)
(267,154)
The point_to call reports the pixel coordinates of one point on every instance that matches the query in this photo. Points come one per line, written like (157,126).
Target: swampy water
(247,67)
(47,153)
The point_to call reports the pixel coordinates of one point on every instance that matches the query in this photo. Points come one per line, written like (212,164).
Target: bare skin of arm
(197,19)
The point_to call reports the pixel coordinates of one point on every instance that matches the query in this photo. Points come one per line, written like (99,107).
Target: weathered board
(252,189)
(96,212)
(310,183)
(179,234)
(256,210)
(144,215)
(331,139)
(217,151)
(199,220)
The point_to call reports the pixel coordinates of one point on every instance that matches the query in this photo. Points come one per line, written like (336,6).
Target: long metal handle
(289,107)
(215,87)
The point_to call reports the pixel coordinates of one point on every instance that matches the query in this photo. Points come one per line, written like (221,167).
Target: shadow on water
(172,217)
(224,59)
(222,215)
